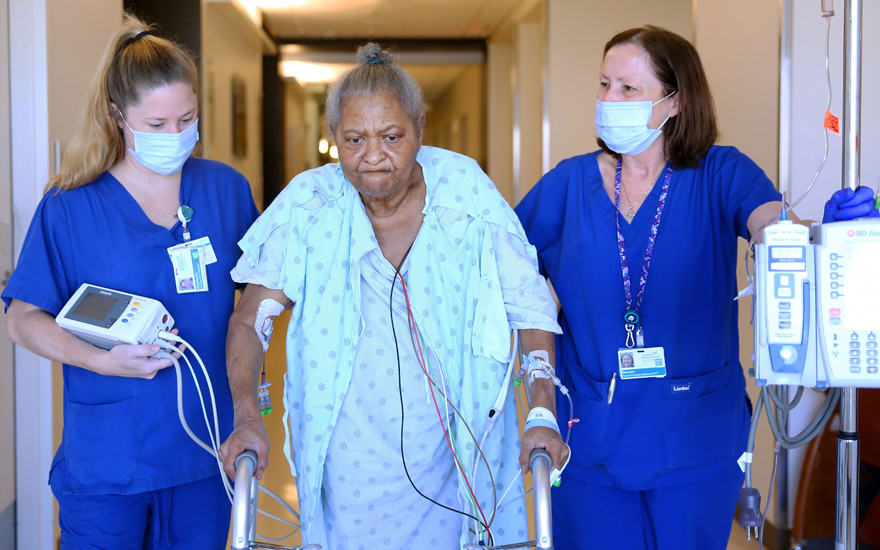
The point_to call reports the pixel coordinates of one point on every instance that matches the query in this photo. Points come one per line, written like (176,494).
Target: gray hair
(376,73)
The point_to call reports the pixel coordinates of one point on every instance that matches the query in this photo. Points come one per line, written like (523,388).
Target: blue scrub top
(657,431)
(123,435)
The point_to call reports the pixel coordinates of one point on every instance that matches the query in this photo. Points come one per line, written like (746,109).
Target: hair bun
(372,53)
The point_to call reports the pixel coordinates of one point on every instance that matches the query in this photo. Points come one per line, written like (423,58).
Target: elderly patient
(406,271)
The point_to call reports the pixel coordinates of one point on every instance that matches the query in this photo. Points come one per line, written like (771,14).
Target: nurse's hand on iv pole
(539,437)
(847,204)
(134,361)
(248,433)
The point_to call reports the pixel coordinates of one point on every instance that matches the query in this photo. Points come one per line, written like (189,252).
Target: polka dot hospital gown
(471,277)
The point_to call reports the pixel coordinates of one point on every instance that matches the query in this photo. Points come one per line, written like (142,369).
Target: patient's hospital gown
(471,277)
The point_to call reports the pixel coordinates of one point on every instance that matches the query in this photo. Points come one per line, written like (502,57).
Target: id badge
(190,269)
(204,243)
(641,363)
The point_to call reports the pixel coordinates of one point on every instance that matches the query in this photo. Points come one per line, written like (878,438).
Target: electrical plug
(750,510)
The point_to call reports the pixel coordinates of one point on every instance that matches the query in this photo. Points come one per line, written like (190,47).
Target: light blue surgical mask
(623,125)
(162,152)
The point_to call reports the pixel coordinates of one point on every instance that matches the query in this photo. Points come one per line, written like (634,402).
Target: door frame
(29,125)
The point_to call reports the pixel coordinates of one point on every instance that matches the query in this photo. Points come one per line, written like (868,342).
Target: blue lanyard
(632,317)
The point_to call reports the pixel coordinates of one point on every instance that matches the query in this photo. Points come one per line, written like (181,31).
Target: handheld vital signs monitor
(107,318)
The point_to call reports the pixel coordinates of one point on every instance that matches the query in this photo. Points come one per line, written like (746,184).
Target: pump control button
(784,324)
(854,336)
(872,370)
(855,370)
(855,361)
(872,336)
(834,313)
(784,305)
(872,361)
(855,344)
(136,304)
(854,353)
(785,316)
(872,345)
(872,353)
(165,318)
(834,320)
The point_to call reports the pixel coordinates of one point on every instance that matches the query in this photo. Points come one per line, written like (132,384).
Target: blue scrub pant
(189,516)
(690,516)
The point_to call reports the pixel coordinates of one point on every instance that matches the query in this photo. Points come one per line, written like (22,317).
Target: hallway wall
(457,119)
(229,52)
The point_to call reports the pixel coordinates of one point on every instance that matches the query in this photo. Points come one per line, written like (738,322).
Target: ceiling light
(312,72)
(279,4)
(334,152)
(323,146)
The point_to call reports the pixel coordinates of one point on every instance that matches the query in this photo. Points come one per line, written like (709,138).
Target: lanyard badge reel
(185,215)
(635,360)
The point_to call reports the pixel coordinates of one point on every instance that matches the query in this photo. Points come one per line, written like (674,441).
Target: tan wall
(457,120)
(739,45)
(499,122)
(295,123)
(577,37)
(228,50)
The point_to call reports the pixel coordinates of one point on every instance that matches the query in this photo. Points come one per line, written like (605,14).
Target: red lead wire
(422,363)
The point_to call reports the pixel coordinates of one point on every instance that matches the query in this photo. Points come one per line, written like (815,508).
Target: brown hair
(135,61)
(691,133)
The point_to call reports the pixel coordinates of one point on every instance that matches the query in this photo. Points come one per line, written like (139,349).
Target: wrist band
(542,424)
(540,416)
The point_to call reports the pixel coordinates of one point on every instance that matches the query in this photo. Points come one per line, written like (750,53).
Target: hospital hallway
(511,84)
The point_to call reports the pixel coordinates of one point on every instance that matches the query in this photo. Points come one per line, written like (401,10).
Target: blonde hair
(135,61)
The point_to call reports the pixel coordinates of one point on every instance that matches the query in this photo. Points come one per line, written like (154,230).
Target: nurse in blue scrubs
(126,475)
(639,240)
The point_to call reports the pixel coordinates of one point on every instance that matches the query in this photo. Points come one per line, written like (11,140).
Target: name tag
(190,269)
(641,363)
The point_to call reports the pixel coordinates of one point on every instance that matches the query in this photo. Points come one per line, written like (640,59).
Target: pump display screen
(95,306)
(861,291)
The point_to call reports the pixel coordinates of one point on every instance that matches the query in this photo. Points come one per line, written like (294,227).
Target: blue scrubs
(122,436)
(690,426)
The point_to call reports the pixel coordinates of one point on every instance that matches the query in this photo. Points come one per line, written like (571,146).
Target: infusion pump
(107,318)
(817,318)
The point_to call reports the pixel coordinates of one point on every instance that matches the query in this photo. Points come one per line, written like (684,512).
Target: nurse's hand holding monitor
(134,210)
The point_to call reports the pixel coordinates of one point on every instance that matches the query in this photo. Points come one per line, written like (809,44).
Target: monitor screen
(861,291)
(95,306)
(787,252)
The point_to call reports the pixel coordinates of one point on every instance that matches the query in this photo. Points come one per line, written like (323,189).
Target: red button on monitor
(835,313)
(165,317)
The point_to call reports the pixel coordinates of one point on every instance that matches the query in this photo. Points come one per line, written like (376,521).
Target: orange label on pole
(832,122)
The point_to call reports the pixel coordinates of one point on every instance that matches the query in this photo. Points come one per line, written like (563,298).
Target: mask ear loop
(672,93)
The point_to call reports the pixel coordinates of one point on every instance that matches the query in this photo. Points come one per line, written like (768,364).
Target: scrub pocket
(700,419)
(101,444)
(590,435)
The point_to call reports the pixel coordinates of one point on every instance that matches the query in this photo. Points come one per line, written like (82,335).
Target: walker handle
(540,465)
(244,501)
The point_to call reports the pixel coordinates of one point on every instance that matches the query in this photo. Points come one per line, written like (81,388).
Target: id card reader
(108,318)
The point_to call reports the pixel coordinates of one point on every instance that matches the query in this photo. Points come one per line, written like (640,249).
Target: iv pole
(848,436)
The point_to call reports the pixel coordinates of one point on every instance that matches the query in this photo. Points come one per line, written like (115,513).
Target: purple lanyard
(632,316)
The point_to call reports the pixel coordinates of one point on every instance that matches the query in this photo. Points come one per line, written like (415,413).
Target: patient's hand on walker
(539,437)
(248,433)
